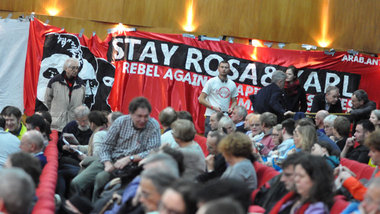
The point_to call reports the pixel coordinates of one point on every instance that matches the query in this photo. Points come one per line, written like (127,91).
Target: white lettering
(313,76)
(268,75)
(191,53)
(235,72)
(345,87)
(251,67)
(178,75)
(168,53)
(132,43)
(168,74)
(150,52)
(207,62)
(125,67)
(330,76)
(119,50)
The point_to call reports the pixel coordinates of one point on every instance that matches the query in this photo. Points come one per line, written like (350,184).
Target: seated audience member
(214,120)
(13,124)
(17,191)
(9,143)
(226,125)
(329,126)
(277,135)
(37,122)
(319,118)
(194,160)
(287,136)
(216,164)
(375,118)
(237,150)
(46,115)
(80,127)
(166,117)
(358,152)
(247,126)
(329,101)
(238,117)
(33,142)
(341,130)
(153,183)
(112,117)
(221,206)
(178,198)
(304,137)
(217,189)
(352,184)
(361,107)
(324,149)
(76,204)
(314,183)
(271,98)
(295,94)
(257,133)
(27,162)
(267,121)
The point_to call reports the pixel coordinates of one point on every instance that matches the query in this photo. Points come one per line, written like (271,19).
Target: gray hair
(81,111)
(329,120)
(331,88)
(16,190)
(35,137)
(241,111)
(167,116)
(376,112)
(322,114)
(161,180)
(165,162)
(278,76)
(183,130)
(218,135)
(224,121)
(269,119)
(69,62)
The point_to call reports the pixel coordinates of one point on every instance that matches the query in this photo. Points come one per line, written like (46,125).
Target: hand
(81,157)
(216,108)
(230,110)
(66,147)
(341,169)
(122,162)
(350,141)
(108,166)
(210,160)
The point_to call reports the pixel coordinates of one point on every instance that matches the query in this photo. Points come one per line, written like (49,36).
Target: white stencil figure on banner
(97,73)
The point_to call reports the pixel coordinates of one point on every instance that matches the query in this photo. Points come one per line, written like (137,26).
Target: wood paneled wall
(349,24)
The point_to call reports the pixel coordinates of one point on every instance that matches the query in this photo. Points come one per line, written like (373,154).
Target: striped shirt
(124,140)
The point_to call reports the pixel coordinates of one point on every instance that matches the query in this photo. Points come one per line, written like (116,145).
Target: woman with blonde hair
(304,137)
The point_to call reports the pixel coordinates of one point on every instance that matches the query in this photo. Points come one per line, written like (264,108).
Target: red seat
(360,169)
(264,174)
(340,204)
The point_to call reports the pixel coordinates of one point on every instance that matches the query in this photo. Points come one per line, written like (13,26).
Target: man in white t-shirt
(218,93)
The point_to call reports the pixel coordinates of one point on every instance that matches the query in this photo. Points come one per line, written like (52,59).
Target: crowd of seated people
(115,163)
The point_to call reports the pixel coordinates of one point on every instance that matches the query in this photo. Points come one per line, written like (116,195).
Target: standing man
(218,93)
(64,93)
(329,101)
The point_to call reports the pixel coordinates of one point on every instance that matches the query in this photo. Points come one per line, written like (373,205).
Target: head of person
(288,126)
(27,162)
(226,125)
(111,117)
(37,122)
(140,109)
(235,145)
(255,124)
(375,117)
(183,131)
(328,124)
(342,127)
(179,199)
(97,119)
(314,180)
(287,175)
(81,116)
(71,67)
(184,115)
(373,143)
(167,116)
(12,116)
(221,206)
(16,191)
(247,126)
(277,134)
(238,114)
(319,117)
(32,142)
(362,130)
(46,115)
(304,137)
(332,95)
(213,139)
(359,98)
(291,73)
(152,185)
(223,68)
(371,202)
(268,120)
(214,120)
(164,161)
(323,148)
(278,78)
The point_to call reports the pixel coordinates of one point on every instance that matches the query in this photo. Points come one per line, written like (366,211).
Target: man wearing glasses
(64,93)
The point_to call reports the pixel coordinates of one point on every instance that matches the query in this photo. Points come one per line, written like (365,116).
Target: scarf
(291,88)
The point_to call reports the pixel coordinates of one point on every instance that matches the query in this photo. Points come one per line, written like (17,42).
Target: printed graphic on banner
(97,73)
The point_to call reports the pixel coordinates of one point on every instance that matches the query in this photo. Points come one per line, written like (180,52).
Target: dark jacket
(296,102)
(319,103)
(360,154)
(220,166)
(270,98)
